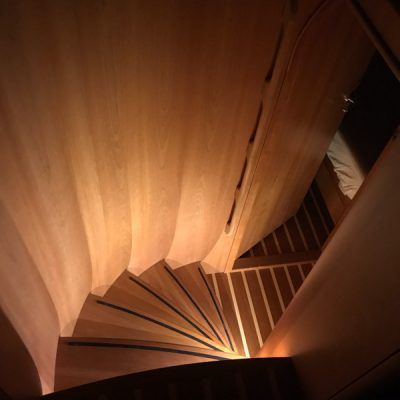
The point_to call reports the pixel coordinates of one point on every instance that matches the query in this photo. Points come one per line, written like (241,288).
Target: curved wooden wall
(123,131)
(26,304)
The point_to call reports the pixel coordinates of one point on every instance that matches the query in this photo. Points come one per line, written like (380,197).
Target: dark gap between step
(141,347)
(154,321)
(170,306)
(194,303)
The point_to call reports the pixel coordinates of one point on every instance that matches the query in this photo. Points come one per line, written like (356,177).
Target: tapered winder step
(102,318)
(194,279)
(163,278)
(131,291)
(85,360)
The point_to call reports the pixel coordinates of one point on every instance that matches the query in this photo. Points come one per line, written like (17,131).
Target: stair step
(131,291)
(228,307)
(163,278)
(84,360)
(103,318)
(195,280)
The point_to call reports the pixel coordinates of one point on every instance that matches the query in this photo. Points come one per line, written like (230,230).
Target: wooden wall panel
(345,319)
(224,252)
(327,63)
(123,130)
(223,112)
(323,55)
(36,186)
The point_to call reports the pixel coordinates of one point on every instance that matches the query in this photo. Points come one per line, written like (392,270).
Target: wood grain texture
(81,364)
(306,116)
(26,302)
(253,301)
(295,242)
(193,279)
(114,320)
(277,259)
(133,292)
(162,278)
(123,128)
(229,310)
(351,298)
(320,63)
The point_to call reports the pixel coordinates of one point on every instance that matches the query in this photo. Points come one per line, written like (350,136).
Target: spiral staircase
(163,318)
(175,317)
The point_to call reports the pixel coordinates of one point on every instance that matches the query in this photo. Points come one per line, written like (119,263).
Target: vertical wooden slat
(271,245)
(264,246)
(243,313)
(319,211)
(258,250)
(288,237)
(252,309)
(306,269)
(289,279)
(295,236)
(314,233)
(216,289)
(266,303)
(301,233)
(295,276)
(238,317)
(283,284)
(229,310)
(306,230)
(322,206)
(291,231)
(283,241)
(276,241)
(316,219)
(271,293)
(259,304)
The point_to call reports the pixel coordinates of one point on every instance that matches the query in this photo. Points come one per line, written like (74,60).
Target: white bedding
(345,166)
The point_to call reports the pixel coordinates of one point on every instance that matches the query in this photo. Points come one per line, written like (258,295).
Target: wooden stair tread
(90,328)
(133,292)
(195,280)
(229,311)
(162,278)
(123,322)
(84,360)
(163,318)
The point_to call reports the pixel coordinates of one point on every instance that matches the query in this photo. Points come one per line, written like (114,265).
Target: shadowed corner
(19,377)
